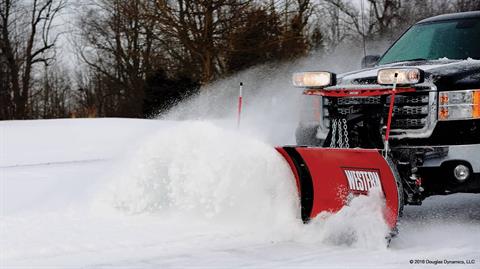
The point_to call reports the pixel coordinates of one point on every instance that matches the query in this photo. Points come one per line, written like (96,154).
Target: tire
(307,136)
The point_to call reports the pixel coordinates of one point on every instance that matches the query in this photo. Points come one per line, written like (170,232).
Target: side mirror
(370,60)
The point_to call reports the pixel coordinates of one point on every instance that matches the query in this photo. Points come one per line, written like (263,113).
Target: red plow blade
(326,178)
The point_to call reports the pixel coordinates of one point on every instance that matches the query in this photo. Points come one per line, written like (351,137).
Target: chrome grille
(371,100)
(411,110)
(415,99)
(409,123)
(348,110)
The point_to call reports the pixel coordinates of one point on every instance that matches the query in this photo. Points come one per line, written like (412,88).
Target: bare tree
(52,95)
(341,20)
(466,5)
(200,27)
(385,15)
(26,41)
(294,40)
(119,37)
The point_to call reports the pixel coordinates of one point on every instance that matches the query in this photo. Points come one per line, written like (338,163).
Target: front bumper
(435,167)
(468,153)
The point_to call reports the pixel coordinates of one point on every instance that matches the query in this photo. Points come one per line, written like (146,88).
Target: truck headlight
(404,76)
(459,105)
(313,79)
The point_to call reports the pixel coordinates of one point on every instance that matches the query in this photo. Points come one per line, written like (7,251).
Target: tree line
(139,57)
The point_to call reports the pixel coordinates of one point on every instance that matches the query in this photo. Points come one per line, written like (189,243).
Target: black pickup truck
(434,138)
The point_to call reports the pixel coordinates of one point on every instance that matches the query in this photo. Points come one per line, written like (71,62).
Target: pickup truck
(434,134)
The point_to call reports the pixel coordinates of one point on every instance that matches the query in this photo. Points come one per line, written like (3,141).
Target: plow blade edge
(328,178)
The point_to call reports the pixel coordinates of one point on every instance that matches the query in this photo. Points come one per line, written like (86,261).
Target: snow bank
(33,142)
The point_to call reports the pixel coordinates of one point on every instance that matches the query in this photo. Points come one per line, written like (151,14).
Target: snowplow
(327,178)
(408,122)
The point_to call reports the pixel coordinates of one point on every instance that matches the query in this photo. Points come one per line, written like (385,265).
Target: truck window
(456,40)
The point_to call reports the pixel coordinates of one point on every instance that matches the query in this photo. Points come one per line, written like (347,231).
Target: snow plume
(198,169)
(272,105)
(201,172)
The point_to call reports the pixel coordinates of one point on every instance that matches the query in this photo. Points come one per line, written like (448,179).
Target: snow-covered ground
(111,193)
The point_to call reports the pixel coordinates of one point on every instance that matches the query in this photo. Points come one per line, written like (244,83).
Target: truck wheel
(307,136)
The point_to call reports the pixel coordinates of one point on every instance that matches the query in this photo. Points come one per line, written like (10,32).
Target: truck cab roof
(452,16)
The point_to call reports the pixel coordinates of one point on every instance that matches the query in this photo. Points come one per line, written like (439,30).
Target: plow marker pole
(240,97)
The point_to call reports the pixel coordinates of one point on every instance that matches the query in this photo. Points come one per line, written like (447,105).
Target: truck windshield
(453,39)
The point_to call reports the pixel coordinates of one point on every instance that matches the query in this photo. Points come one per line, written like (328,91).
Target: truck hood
(444,73)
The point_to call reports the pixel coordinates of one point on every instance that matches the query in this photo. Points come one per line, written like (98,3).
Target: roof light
(313,79)
(400,76)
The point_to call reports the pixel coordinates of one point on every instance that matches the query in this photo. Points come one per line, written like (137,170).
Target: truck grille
(411,110)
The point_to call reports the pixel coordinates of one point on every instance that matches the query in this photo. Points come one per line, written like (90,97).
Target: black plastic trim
(306,183)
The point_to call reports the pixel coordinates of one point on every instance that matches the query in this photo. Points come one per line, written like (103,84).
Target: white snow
(110,193)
